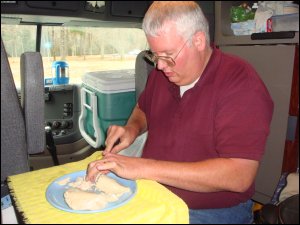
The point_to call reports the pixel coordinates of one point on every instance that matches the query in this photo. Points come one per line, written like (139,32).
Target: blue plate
(55,193)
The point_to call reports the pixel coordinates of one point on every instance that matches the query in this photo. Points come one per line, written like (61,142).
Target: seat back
(32,100)
(142,69)
(14,158)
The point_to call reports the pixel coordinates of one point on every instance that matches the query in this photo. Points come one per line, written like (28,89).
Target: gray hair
(187,16)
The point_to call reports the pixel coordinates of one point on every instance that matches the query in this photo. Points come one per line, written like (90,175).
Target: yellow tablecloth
(153,203)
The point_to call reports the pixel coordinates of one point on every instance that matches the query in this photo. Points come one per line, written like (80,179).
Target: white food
(106,189)
(110,186)
(83,200)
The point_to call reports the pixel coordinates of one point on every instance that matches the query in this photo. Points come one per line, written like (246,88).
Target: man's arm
(220,174)
(212,175)
(137,121)
(136,125)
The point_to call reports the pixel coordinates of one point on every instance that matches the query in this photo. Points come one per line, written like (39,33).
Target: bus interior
(70,42)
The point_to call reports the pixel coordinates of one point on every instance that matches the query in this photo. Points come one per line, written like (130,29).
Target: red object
(269,25)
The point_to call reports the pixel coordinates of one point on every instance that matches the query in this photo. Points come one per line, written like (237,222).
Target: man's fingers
(106,166)
(120,145)
(113,138)
(92,172)
(98,167)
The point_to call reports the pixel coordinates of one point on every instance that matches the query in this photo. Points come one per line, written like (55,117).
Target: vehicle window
(84,49)
(18,39)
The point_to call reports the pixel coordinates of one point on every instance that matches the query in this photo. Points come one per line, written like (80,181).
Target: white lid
(113,81)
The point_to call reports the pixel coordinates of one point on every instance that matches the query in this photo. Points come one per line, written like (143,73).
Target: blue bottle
(60,72)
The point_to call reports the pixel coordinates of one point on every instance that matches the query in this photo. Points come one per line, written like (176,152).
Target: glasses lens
(153,58)
(169,61)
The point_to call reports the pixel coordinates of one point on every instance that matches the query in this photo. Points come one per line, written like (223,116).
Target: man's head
(187,16)
(178,35)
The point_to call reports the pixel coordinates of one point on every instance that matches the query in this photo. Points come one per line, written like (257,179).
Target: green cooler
(107,98)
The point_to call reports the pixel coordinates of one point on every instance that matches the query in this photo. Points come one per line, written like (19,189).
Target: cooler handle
(82,117)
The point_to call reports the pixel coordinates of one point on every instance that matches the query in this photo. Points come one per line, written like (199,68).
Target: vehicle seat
(142,70)
(33,100)
(22,130)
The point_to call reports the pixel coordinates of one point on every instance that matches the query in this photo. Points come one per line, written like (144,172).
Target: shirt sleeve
(243,116)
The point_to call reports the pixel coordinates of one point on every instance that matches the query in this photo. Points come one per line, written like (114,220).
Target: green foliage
(241,14)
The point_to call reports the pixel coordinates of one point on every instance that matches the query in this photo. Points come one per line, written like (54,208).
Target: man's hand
(118,138)
(123,166)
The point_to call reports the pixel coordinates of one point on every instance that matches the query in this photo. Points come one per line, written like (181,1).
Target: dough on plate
(110,186)
(85,195)
(81,184)
(83,200)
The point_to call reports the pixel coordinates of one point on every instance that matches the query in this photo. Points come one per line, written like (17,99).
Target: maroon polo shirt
(227,114)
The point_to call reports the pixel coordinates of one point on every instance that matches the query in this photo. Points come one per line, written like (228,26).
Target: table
(153,203)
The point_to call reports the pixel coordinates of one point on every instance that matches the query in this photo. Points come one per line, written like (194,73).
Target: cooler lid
(113,81)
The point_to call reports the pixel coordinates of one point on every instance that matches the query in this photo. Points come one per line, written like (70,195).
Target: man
(207,115)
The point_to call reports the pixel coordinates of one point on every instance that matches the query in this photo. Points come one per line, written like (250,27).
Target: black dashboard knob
(56,124)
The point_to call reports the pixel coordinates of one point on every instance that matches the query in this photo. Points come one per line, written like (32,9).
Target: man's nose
(161,64)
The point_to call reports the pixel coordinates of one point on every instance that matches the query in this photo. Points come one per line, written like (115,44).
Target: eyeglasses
(167,59)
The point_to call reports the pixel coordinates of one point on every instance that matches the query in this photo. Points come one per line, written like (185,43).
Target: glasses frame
(167,59)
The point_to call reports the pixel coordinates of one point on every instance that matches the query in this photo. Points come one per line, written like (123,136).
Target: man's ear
(199,40)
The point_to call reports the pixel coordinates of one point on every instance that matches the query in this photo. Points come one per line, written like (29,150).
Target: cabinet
(54,5)
(225,36)
(276,60)
(130,9)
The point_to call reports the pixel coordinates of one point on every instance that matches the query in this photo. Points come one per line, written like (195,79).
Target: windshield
(85,49)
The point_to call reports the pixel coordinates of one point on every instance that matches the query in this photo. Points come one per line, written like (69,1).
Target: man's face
(169,44)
